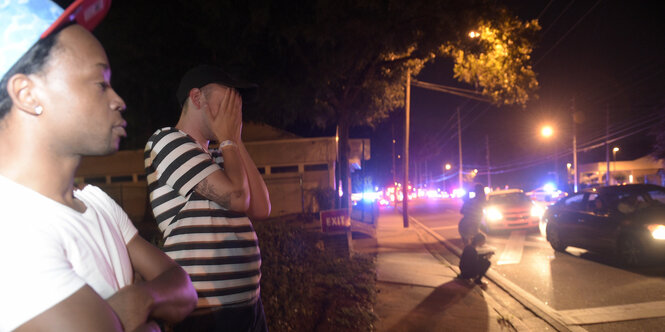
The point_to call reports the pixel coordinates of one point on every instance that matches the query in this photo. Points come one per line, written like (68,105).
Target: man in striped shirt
(203,200)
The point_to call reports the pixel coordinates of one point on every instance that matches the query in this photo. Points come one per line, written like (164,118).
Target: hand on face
(226,112)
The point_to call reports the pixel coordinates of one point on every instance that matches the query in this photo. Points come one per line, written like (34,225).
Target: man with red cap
(69,256)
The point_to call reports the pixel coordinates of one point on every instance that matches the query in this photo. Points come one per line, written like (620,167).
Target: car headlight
(537,211)
(657,231)
(493,214)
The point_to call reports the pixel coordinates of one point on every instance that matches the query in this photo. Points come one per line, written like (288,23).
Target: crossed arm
(166,294)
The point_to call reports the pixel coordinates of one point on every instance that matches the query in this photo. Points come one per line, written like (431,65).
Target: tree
(352,56)
(495,58)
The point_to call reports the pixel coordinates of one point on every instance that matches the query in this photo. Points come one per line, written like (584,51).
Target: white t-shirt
(48,251)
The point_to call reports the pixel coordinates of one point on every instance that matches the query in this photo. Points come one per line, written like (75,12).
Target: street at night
(577,287)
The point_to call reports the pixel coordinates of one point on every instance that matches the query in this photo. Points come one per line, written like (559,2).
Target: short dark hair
(31,62)
(478,238)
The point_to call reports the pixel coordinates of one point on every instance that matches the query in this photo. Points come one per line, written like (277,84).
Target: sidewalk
(418,289)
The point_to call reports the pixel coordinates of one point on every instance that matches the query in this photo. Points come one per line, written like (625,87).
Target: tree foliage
(495,58)
(348,60)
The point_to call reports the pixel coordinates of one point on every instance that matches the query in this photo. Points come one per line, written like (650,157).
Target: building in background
(642,170)
(299,172)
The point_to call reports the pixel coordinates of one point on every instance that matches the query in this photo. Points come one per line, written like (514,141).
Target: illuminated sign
(335,220)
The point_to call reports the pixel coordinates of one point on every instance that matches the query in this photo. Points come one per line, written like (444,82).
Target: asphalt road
(583,288)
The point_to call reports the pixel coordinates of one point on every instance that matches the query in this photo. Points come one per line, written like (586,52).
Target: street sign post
(336,225)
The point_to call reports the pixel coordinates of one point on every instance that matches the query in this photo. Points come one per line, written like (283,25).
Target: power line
(558,17)
(466,93)
(544,9)
(568,32)
(646,123)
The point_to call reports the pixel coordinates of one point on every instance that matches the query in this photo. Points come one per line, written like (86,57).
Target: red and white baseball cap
(24,22)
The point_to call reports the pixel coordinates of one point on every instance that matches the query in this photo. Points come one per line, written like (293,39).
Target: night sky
(603,57)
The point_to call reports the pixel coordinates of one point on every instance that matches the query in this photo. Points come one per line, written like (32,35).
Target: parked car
(510,209)
(545,196)
(626,220)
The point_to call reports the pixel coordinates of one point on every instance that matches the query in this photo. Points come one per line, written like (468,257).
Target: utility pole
(338,202)
(575,183)
(607,145)
(459,143)
(487,156)
(405,185)
(426,174)
(394,168)
(556,162)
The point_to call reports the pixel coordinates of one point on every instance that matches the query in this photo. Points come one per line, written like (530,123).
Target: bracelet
(228,142)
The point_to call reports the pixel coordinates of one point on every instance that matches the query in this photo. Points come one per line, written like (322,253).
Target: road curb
(527,300)
(506,316)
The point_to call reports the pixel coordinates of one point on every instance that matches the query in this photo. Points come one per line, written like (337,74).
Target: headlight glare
(657,231)
(537,211)
(493,214)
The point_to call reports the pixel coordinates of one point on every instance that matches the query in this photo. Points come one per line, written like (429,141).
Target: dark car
(627,220)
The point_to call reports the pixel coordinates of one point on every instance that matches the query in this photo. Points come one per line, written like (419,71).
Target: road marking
(512,253)
(614,313)
(496,241)
(577,252)
(444,227)
(539,308)
(566,320)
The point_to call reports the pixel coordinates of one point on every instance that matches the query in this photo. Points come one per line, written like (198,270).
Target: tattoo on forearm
(224,198)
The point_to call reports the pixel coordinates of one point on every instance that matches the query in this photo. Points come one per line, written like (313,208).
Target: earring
(39,109)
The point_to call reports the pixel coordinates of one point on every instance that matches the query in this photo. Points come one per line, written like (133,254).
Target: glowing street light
(474,34)
(614,154)
(547,131)
(446,168)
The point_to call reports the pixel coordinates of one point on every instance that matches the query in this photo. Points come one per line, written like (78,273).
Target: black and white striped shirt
(217,247)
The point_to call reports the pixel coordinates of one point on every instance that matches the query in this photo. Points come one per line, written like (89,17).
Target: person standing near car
(203,200)
(472,211)
(69,256)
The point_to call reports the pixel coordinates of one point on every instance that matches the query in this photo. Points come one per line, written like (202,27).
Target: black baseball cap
(203,75)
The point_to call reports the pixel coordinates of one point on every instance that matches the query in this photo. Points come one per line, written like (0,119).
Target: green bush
(305,288)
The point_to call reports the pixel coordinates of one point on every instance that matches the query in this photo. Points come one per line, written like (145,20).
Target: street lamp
(568,173)
(614,156)
(547,131)
(447,167)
